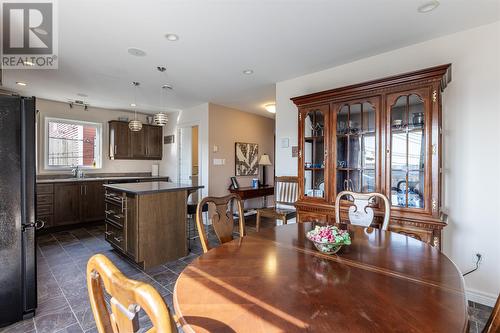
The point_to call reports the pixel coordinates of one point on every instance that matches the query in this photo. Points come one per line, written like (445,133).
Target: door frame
(202,177)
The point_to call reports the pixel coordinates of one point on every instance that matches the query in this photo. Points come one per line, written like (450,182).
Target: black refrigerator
(18,295)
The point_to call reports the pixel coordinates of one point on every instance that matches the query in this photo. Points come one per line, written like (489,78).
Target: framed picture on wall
(246,159)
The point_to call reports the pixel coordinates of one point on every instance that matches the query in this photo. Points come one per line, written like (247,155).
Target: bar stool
(192,230)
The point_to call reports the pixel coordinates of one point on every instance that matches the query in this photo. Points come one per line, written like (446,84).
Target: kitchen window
(70,143)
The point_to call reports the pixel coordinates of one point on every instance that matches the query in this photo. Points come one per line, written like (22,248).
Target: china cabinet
(379,136)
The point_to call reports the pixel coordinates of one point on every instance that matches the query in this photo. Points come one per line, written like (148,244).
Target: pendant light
(135,125)
(161,118)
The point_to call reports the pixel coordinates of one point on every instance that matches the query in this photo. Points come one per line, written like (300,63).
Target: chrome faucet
(77,172)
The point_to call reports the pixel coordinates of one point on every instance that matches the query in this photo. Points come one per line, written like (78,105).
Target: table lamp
(264,160)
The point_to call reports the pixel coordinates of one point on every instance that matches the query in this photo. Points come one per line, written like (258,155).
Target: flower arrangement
(329,239)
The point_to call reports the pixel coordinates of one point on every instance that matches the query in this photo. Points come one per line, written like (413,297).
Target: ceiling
(277,39)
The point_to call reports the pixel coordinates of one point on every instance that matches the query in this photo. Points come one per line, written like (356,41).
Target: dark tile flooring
(63,304)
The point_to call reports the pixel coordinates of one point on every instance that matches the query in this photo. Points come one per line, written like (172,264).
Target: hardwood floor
(63,304)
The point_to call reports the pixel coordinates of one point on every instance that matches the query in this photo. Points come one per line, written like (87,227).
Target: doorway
(188,148)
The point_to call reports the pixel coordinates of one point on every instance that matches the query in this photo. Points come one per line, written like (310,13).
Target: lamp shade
(160,119)
(264,160)
(135,125)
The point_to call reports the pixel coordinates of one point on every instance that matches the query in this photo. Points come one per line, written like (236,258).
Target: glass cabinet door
(408,122)
(314,151)
(356,156)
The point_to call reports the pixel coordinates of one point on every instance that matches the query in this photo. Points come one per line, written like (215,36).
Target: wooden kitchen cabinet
(73,202)
(92,202)
(78,202)
(119,140)
(67,198)
(45,204)
(138,144)
(146,144)
(154,144)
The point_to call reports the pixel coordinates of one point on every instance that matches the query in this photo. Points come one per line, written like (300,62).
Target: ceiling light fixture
(161,118)
(248,71)
(172,37)
(428,6)
(19,83)
(135,125)
(136,52)
(270,107)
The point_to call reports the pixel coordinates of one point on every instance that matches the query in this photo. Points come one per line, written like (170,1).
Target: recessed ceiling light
(172,37)
(428,6)
(133,105)
(270,107)
(136,52)
(248,71)
(21,83)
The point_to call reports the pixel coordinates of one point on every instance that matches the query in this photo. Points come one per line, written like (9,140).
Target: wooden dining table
(276,281)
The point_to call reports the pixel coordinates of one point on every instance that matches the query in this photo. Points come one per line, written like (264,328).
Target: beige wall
(61,110)
(227,126)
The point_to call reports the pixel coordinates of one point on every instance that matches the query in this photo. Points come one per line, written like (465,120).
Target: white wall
(98,115)
(197,115)
(471,120)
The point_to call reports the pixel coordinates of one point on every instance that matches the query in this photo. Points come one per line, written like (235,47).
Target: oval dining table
(276,281)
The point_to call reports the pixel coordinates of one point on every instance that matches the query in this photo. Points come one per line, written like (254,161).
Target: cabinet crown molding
(440,73)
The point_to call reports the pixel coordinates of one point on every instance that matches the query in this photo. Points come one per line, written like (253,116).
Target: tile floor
(63,304)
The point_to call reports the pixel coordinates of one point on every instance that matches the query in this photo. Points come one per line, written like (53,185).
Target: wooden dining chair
(128,297)
(222,219)
(360,213)
(493,323)
(285,195)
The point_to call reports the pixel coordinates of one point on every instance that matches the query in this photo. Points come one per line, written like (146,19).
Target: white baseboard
(481,297)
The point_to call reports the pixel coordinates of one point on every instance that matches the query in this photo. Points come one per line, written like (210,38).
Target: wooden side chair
(493,323)
(222,220)
(286,194)
(360,213)
(128,297)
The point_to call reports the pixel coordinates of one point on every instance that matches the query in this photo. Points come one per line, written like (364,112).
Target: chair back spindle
(286,190)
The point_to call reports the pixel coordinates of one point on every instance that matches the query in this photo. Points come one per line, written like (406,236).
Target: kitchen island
(147,221)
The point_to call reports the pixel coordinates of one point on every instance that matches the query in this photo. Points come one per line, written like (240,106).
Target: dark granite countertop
(152,187)
(90,178)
